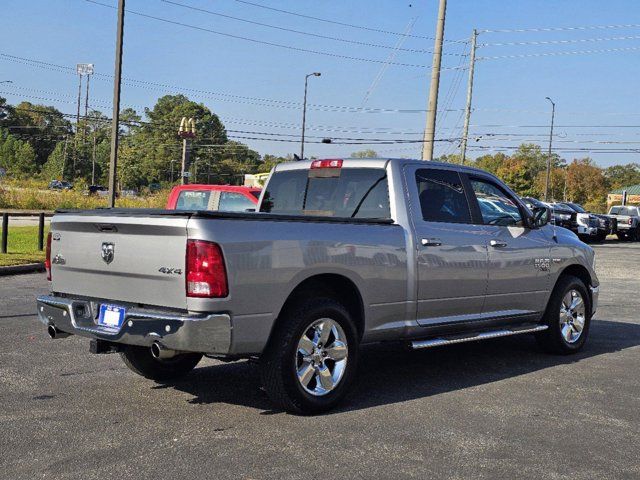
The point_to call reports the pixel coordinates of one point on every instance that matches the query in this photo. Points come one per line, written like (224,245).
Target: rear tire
(622,237)
(293,369)
(568,317)
(140,361)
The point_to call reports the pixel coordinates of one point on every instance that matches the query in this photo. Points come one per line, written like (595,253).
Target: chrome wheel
(321,357)
(572,316)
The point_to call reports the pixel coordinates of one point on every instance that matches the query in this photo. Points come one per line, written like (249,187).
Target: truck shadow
(391,373)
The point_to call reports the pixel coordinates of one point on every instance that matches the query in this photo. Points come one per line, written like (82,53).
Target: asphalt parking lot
(497,409)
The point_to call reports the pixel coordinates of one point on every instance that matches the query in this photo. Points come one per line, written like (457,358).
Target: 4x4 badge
(108,251)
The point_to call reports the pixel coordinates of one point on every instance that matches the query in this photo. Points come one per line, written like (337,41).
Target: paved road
(499,409)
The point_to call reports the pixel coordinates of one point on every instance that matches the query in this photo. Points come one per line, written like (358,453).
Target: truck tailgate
(138,259)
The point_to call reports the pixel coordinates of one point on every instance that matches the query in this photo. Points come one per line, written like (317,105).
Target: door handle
(431,242)
(497,243)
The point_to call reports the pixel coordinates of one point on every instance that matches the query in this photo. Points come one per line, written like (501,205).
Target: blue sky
(596,91)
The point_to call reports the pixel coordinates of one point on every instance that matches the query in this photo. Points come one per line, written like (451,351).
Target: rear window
(631,211)
(193,200)
(350,193)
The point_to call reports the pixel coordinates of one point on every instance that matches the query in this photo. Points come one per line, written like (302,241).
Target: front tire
(568,317)
(311,359)
(141,361)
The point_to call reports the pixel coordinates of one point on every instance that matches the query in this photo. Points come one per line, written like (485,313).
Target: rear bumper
(595,292)
(190,333)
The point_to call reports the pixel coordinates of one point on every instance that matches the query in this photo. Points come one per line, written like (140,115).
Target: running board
(436,342)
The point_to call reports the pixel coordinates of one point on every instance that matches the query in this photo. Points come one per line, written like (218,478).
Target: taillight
(47,258)
(206,275)
(335,163)
(630,221)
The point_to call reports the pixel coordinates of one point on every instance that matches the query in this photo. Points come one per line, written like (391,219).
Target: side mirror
(541,216)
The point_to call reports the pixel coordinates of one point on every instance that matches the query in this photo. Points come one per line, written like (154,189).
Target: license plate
(111,316)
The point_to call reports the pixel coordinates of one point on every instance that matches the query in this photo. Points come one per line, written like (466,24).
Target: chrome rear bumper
(190,333)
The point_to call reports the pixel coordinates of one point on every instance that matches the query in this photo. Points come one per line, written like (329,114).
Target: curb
(18,269)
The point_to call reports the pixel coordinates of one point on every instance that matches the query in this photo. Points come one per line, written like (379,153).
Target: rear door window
(442,196)
(234,202)
(348,193)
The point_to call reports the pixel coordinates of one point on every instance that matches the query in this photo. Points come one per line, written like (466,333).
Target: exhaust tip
(54,333)
(161,352)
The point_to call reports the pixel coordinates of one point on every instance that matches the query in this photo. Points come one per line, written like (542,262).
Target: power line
(300,32)
(276,103)
(557,29)
(557,54)
(335,22)
(558,42)
(253,40)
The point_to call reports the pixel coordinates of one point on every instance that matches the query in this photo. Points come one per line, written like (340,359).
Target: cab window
(442,197)
(496,206)
(234,202)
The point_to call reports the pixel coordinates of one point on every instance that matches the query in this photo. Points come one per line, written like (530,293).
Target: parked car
(224,198)
(60,185)
(97,190)
(583,224)
(341,253)
(602,223)
(628,218)
(561,216)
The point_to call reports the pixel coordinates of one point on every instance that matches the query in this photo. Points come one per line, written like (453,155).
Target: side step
(436,342)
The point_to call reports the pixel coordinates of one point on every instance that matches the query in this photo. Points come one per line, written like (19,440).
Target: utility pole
(467,116)
(187,132)
(75,139)
(430,129)
(304,111)
(88,72)
(64,155)
(546,187)
(115,123)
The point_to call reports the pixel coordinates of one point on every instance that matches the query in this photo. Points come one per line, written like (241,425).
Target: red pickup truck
(224,198)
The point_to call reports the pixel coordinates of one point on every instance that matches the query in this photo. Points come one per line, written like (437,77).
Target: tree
(490,163)
(619,176)
(17,158)
(364,154)
(42,126)
(270,161)
(586,184)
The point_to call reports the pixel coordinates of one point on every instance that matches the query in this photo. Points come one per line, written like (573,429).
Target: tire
(622,237)
(601,237)
(289,360)
(566,336)
(140,361)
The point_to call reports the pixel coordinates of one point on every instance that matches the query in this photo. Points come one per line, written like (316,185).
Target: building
(633,196)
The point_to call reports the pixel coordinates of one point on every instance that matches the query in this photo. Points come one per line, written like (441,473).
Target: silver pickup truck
(341,253)
(628,218)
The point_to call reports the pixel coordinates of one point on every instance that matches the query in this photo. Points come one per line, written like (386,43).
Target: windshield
(576,207)
(351,193)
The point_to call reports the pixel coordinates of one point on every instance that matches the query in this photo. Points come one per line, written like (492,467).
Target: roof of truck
(372,163)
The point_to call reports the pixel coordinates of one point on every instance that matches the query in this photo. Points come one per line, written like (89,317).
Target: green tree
(619,176)
(17,157)
(586,184)
(364,154)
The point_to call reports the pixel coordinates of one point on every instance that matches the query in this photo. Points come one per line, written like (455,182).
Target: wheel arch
(579,271)
(334,285)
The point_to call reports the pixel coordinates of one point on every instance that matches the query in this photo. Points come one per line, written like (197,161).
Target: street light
(546,187)
(304,110)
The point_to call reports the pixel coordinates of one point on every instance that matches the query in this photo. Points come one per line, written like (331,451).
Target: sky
(375,69)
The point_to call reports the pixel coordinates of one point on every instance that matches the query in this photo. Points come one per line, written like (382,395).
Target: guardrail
(30,213)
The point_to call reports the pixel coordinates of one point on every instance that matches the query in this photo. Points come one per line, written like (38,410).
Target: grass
(22,246)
